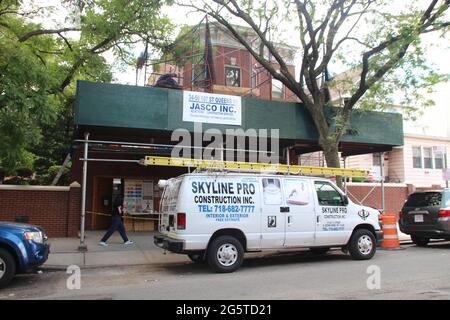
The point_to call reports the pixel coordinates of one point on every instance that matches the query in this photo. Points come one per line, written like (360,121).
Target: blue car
(23,247)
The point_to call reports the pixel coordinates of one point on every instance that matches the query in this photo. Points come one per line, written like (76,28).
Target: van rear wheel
(7,267)
(362,245)
(225,254)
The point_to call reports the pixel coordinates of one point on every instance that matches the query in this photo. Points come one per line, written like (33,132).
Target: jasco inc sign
(212,108)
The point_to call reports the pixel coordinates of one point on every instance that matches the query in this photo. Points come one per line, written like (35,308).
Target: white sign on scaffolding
(212,108)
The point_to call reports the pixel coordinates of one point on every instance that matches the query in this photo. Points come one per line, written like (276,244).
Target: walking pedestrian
(116,223)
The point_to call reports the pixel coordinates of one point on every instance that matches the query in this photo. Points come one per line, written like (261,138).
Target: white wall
(422,177)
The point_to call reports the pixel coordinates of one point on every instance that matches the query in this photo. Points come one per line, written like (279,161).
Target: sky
(437,52)
(437,49)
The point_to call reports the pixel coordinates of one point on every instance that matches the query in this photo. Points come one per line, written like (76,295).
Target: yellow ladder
(251,166)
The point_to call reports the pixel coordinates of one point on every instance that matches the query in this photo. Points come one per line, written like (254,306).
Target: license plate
(418,218)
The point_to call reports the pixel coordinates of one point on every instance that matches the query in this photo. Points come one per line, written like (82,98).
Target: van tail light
(444,213)
(181,221)
(400,214)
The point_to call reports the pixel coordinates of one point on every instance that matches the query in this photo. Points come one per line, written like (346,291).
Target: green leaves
(39,66)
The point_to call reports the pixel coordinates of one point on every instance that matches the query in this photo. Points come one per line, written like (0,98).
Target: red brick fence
(56,209)
(395,194)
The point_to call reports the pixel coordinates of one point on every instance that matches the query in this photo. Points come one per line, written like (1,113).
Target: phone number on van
(226,209)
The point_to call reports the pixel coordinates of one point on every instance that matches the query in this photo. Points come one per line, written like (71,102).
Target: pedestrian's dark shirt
(115,211)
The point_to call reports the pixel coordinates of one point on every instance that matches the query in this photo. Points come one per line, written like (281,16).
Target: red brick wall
(244,61)
(370,196)
(56,209)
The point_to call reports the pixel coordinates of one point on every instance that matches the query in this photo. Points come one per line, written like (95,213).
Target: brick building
(235,70)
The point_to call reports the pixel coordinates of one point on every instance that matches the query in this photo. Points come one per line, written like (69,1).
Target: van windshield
(170,197)
(424,199)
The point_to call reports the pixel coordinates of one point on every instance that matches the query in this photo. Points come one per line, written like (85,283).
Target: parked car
(23,247)
(216,217)
(426,215)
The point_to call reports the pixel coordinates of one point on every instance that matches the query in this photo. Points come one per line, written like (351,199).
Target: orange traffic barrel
(390,234)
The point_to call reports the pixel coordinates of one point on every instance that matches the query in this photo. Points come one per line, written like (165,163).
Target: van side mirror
(345,199)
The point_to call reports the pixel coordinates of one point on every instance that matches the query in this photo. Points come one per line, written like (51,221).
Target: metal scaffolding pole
(83,246)
(382,180)
(345,178)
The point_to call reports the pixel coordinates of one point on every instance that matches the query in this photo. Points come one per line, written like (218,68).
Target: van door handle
(289,220)
(284,209)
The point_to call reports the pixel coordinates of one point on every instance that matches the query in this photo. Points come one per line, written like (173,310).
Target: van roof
(225,173)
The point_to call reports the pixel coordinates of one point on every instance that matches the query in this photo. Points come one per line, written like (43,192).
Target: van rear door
(168,206)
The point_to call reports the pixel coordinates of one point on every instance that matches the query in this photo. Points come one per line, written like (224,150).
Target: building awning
(138,110)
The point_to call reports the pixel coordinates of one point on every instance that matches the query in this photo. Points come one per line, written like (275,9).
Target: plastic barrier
(390,239)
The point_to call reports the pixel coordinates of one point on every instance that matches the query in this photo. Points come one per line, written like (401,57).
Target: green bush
(359,179)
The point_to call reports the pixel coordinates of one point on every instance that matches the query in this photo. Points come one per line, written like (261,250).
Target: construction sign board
(212,108)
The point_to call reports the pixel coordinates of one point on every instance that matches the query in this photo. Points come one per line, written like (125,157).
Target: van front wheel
(362,245)
(225,254)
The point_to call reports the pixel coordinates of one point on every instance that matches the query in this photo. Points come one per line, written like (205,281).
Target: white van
(218,216)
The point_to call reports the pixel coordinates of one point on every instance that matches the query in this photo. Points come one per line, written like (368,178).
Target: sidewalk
(64,251)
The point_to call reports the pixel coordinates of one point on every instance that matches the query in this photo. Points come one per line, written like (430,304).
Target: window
(296,192)
(271,191)
(424,199)
(439,157)
(417,157)
(427,158)
(277,89)
(170,196)
(327,194)
(232,76)
(376,158)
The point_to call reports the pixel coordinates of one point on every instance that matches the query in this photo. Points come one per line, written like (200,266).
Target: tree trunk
(331,153)
(328,142)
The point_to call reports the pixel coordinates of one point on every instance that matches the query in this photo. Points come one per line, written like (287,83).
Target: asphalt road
(410,273)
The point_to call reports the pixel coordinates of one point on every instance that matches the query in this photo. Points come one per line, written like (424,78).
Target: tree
(39,67)
(383,41)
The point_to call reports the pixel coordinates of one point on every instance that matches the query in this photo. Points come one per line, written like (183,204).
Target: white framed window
(277,89)
(376,159)
(427,158)
(417,157)
(440,155)
(232,76)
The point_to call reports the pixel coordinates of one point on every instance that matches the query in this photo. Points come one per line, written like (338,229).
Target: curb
(53,268)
